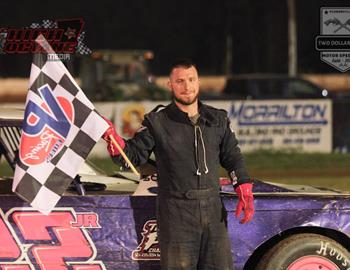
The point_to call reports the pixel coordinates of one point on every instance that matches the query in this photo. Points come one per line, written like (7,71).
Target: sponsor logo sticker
(45,128)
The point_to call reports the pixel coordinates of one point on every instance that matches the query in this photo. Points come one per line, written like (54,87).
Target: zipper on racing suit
(198,139)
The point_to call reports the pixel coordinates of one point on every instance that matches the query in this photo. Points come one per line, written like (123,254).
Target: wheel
(306,252)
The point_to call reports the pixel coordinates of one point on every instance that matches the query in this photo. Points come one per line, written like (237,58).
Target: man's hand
(112,149)
(245,202)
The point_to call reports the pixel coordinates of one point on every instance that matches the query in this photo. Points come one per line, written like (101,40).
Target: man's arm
(231,157)
(138,149)
(232,160)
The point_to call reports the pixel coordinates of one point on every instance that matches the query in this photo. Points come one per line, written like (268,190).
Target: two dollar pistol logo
(46,127)
(334,39)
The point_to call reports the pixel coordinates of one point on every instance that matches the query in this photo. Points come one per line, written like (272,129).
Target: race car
(105,222)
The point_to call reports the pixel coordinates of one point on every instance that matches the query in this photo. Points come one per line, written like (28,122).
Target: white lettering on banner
(46,139)
(279,114)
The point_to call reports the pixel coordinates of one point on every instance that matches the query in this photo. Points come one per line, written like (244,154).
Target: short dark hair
(183,62)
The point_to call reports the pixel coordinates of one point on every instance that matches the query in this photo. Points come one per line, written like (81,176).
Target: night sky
(192,28)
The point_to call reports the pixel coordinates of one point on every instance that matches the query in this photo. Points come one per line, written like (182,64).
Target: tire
(306,252)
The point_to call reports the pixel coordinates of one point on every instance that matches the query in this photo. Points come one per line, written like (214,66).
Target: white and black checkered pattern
(81,47)
(44,24)
(42,185)
(47,24)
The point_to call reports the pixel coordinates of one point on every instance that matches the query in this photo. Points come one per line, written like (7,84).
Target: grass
(326,170)
(317,169)
(294,161)
(5,169)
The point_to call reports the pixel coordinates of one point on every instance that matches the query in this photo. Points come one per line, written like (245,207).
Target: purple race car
(294,227)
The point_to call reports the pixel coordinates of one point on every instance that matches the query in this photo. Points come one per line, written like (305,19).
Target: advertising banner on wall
(304,125)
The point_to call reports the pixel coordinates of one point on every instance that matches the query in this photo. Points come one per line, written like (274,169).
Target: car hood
(265,187)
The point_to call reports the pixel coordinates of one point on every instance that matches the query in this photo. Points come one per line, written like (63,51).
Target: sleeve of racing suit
(139,148)
(231,157)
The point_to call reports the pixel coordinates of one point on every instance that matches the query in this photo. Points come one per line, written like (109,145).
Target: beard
(185,102)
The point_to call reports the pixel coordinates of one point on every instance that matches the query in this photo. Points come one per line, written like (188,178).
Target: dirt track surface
(13,90)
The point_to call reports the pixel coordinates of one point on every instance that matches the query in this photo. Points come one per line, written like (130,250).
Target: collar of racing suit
(206,119)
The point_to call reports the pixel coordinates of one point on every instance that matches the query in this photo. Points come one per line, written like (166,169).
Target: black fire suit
(190,215)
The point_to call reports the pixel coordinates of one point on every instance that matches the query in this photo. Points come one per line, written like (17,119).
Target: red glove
(245,202)
(112,149)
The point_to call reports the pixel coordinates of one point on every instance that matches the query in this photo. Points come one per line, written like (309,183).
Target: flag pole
(121,151)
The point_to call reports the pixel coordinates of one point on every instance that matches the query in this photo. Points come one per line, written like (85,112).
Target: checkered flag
(60,128)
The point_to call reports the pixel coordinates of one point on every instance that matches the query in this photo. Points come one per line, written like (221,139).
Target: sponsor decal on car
(59,240)
(148,249)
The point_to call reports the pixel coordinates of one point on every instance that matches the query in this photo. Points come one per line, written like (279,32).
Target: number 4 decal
(52,242)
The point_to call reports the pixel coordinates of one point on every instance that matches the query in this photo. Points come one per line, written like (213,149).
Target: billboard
(304,125)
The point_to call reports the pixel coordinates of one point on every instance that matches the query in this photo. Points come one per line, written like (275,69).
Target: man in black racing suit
(190,141)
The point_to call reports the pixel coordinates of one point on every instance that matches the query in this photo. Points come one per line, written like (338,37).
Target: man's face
(184,85)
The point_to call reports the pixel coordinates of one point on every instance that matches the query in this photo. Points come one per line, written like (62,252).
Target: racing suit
(190,215)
